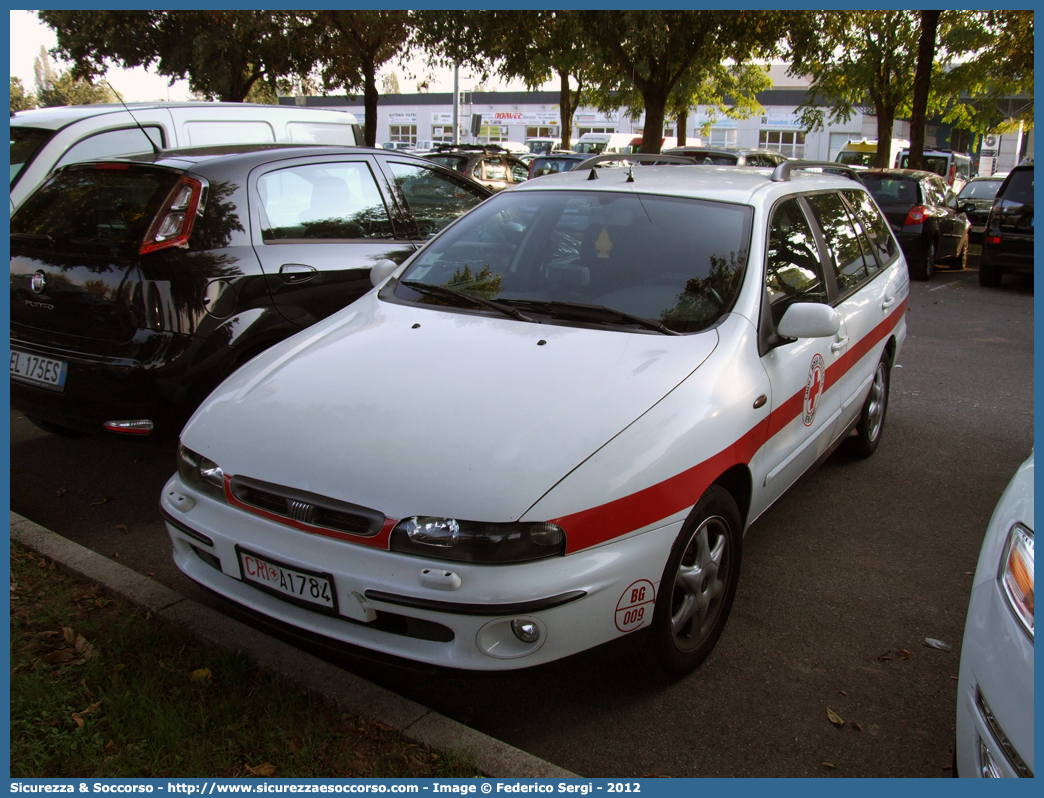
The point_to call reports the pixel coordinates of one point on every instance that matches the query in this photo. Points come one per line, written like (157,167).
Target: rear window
(1020,188)
(675,261)
(94,208)
(940,164)
(25,143)
(547,166)
(980,189)
(714,158)
(450,161)
(892,191)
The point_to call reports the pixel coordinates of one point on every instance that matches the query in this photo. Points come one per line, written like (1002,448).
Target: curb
(416,723)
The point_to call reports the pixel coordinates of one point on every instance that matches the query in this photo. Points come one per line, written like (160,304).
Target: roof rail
(782,172)
(635,157)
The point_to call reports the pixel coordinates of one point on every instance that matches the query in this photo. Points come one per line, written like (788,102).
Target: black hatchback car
(924,214)
(1007,242)
(139,284)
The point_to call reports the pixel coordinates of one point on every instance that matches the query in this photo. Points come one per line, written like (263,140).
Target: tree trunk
(885,119)
(655,111)
(565,109)
(921,86)
(370,97)
(683,123)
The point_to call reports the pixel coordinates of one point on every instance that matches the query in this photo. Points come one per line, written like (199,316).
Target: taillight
(173,224)
(916,215)
(993,240)
(112,167)
(953,173)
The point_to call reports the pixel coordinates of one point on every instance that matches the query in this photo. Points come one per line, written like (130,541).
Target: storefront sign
(402,118)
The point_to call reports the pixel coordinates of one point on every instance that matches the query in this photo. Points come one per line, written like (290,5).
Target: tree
(651,52)
(222,54)
(352,46)
(856,59)
(390,83)
(61,88)
(921,86)
(531,46)
(20,101)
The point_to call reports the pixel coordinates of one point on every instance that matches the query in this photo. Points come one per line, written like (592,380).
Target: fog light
(526,631)
(139,426)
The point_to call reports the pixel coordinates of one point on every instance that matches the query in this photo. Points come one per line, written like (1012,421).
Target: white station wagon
(551,426)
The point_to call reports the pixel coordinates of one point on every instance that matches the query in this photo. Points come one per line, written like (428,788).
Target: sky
(28,34)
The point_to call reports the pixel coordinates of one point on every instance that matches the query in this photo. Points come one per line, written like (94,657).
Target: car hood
(418,411)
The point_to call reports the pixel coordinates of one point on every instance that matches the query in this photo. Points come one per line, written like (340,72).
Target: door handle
(839,344)
(888,302)
(296,272)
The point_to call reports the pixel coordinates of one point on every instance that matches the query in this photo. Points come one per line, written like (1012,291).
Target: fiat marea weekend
(550,427)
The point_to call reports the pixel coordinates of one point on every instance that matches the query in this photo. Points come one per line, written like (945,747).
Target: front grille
(307,508)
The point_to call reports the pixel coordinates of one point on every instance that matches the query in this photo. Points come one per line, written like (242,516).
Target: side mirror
(380,271)
(809,320)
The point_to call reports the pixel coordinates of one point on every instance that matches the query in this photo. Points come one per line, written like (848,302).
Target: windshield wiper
(578,310)
(449,293)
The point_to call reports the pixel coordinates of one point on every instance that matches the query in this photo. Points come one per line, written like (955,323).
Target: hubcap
(699,585)
(876,408)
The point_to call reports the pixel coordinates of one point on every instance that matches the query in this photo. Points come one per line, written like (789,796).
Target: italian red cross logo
(814,388)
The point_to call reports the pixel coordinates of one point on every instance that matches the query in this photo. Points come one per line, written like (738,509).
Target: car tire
(698,586)
(922,269)
(961,261)
(872,417)
(56,429)
(990,276)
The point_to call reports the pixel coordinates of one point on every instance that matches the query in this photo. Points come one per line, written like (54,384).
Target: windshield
(980,189)
(939,164)
(25,143)
(591,147)
(539,147)
(623,260)
(853,158)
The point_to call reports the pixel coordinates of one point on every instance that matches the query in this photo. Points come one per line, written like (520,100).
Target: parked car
(925,215)
(995,686)
(955,168)
(555,162)
(730,156)
(400,146)
(976,199)
(1007,242)
(549,428)
(599,143)
(666,143)
(45,138)
(138,284)
(487,164)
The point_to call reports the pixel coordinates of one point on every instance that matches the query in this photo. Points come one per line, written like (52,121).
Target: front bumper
(388,602)
(994,689)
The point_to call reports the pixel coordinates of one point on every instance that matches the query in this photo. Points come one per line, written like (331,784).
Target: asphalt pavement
(842,581)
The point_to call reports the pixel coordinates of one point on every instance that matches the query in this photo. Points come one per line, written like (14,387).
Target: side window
(127,141)
(324,201)
(874,225)
(434,198)
(793,271)
(852,261)
(519,171)
(495,169)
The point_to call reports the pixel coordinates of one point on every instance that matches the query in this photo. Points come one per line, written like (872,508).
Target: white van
(603,143)
(45,138)
(862,153)
(542,145)
(953,167)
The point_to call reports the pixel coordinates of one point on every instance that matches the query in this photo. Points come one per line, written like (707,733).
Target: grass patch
(101,689)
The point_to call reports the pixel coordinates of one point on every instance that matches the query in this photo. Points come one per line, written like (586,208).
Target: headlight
(201,473)
(1016,574)
(470,541)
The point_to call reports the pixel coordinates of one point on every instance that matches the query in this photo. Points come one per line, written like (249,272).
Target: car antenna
(155,150)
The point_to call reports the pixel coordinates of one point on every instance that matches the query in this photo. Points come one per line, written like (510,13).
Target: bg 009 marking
(635,607)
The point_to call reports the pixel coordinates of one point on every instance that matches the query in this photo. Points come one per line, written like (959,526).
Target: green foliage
(20,101)
(222,54)
(99,689)
(674,57)
(62,88)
